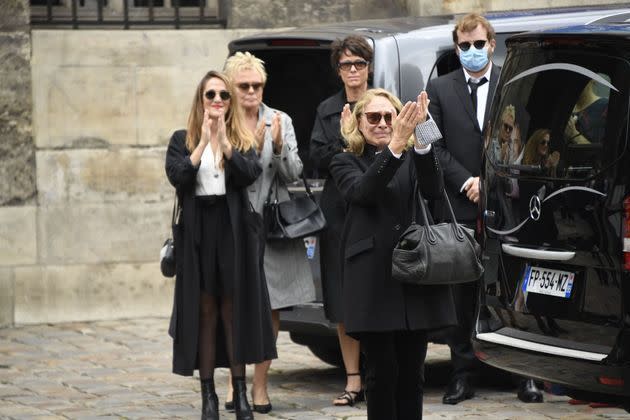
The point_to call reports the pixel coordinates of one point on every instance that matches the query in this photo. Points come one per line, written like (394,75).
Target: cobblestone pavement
(121,370)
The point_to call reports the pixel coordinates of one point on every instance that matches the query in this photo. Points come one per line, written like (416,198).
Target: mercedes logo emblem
(535,207)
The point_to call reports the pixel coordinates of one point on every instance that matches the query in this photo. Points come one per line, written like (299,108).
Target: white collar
(486,74)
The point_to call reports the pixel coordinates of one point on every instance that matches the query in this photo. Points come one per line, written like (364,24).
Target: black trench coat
(253,334)
(378,189)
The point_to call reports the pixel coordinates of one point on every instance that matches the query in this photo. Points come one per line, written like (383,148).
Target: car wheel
(327,354)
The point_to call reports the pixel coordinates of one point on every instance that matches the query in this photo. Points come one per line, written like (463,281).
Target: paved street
(121,369)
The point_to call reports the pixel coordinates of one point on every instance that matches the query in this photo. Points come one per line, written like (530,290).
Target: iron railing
(80,14)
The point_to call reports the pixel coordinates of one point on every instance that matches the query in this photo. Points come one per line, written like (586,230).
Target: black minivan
(407,53)
(555,222)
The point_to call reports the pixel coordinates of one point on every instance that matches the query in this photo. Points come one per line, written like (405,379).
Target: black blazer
(253,335)
(460,151)
(378,189)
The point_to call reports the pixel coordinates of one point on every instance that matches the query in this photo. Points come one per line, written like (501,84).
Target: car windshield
(558,114)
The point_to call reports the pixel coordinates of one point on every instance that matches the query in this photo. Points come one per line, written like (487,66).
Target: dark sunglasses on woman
(465,46)
(347,65)
(375,118)
(223,94)
(246,86)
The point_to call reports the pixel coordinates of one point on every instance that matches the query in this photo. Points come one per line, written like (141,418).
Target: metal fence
(81,14)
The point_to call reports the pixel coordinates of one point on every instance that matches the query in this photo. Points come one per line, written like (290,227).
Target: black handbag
(440,254)
(295,218)
(167,253)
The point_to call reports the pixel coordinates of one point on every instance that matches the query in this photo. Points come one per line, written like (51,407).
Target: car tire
(327,354)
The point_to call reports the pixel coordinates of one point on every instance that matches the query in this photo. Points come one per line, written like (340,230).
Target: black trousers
(394,374)
(459,337)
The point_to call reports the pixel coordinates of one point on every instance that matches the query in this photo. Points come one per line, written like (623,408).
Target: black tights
(208,317)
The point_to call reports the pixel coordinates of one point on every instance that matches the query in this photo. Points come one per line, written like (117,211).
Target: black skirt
(216,245)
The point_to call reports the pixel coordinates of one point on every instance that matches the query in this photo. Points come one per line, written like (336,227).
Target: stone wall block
(102,176)
(90,107)
(18,236)
(57,293)
(103,233)
(157,120)
(7,297)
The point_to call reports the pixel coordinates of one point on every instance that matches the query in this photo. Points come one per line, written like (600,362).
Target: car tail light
(626,233)
(605,380)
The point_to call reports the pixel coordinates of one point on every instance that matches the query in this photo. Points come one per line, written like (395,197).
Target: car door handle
(538,254)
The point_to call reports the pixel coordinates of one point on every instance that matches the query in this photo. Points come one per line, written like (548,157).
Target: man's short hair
(356,44)
(469,22)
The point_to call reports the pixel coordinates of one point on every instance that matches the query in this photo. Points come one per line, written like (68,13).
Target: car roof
(515,21)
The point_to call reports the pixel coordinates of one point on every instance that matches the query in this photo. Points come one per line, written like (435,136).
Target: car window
(558,114)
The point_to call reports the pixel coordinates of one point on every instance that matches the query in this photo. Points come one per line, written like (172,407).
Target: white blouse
(210,177)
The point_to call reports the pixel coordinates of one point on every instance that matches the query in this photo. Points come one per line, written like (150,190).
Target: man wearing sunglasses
(459,105)
(460,102)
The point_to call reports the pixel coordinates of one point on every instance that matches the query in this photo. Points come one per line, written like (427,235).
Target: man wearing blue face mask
(459,104)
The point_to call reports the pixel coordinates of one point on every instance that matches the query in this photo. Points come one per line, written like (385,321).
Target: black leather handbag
(440,254)
(167,253)
(295,218)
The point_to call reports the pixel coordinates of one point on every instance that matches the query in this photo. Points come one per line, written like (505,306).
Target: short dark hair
(469,22)
(356,44)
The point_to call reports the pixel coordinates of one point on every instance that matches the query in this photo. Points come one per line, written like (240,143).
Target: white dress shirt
(210,176)
(482,94)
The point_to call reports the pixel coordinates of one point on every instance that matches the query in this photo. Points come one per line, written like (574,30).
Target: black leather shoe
(458,390)
(209,401)
(241,405)
(262,408)
(528,392)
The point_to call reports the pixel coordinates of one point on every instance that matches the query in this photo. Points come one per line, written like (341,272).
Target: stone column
(17,150)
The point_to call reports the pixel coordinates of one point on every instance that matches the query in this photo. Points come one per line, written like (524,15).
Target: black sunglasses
(246,86)
(507,127)
(465,46)
(544,142)
(223,94)
(375,117)
(347,65)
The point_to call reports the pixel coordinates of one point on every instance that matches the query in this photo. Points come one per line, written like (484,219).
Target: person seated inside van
(587,123)
(536,152)
(507,145)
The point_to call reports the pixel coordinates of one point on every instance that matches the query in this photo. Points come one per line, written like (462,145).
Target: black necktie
(474,84)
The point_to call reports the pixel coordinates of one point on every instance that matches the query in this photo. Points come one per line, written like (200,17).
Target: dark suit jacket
(460,151)
(379,192)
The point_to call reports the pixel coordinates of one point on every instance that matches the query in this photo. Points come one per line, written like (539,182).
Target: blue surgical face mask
(474,59)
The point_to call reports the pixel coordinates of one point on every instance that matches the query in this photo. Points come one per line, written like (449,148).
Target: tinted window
(558,114)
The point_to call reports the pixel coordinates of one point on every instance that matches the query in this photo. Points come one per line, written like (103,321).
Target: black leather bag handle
(459,234)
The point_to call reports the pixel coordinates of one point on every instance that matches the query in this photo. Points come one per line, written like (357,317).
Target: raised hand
(259,135)
(222,138)
(346,115)
(403,126)
(423,106)
(276,132)
(206,128)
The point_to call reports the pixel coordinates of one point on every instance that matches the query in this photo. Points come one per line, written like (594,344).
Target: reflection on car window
(587,123)
(552,120)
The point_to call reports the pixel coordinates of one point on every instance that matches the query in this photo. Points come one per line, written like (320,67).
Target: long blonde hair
(238,135)
(350,131)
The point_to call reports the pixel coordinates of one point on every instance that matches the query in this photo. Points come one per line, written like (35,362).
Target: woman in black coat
(221,314)
(376,176)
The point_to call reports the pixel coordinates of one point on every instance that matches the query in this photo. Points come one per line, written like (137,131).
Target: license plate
(546,281)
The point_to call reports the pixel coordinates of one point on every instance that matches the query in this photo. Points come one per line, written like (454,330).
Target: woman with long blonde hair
(219,307)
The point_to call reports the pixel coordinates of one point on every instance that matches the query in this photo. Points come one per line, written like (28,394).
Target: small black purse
(167,253)
(440,254)
(295,218)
